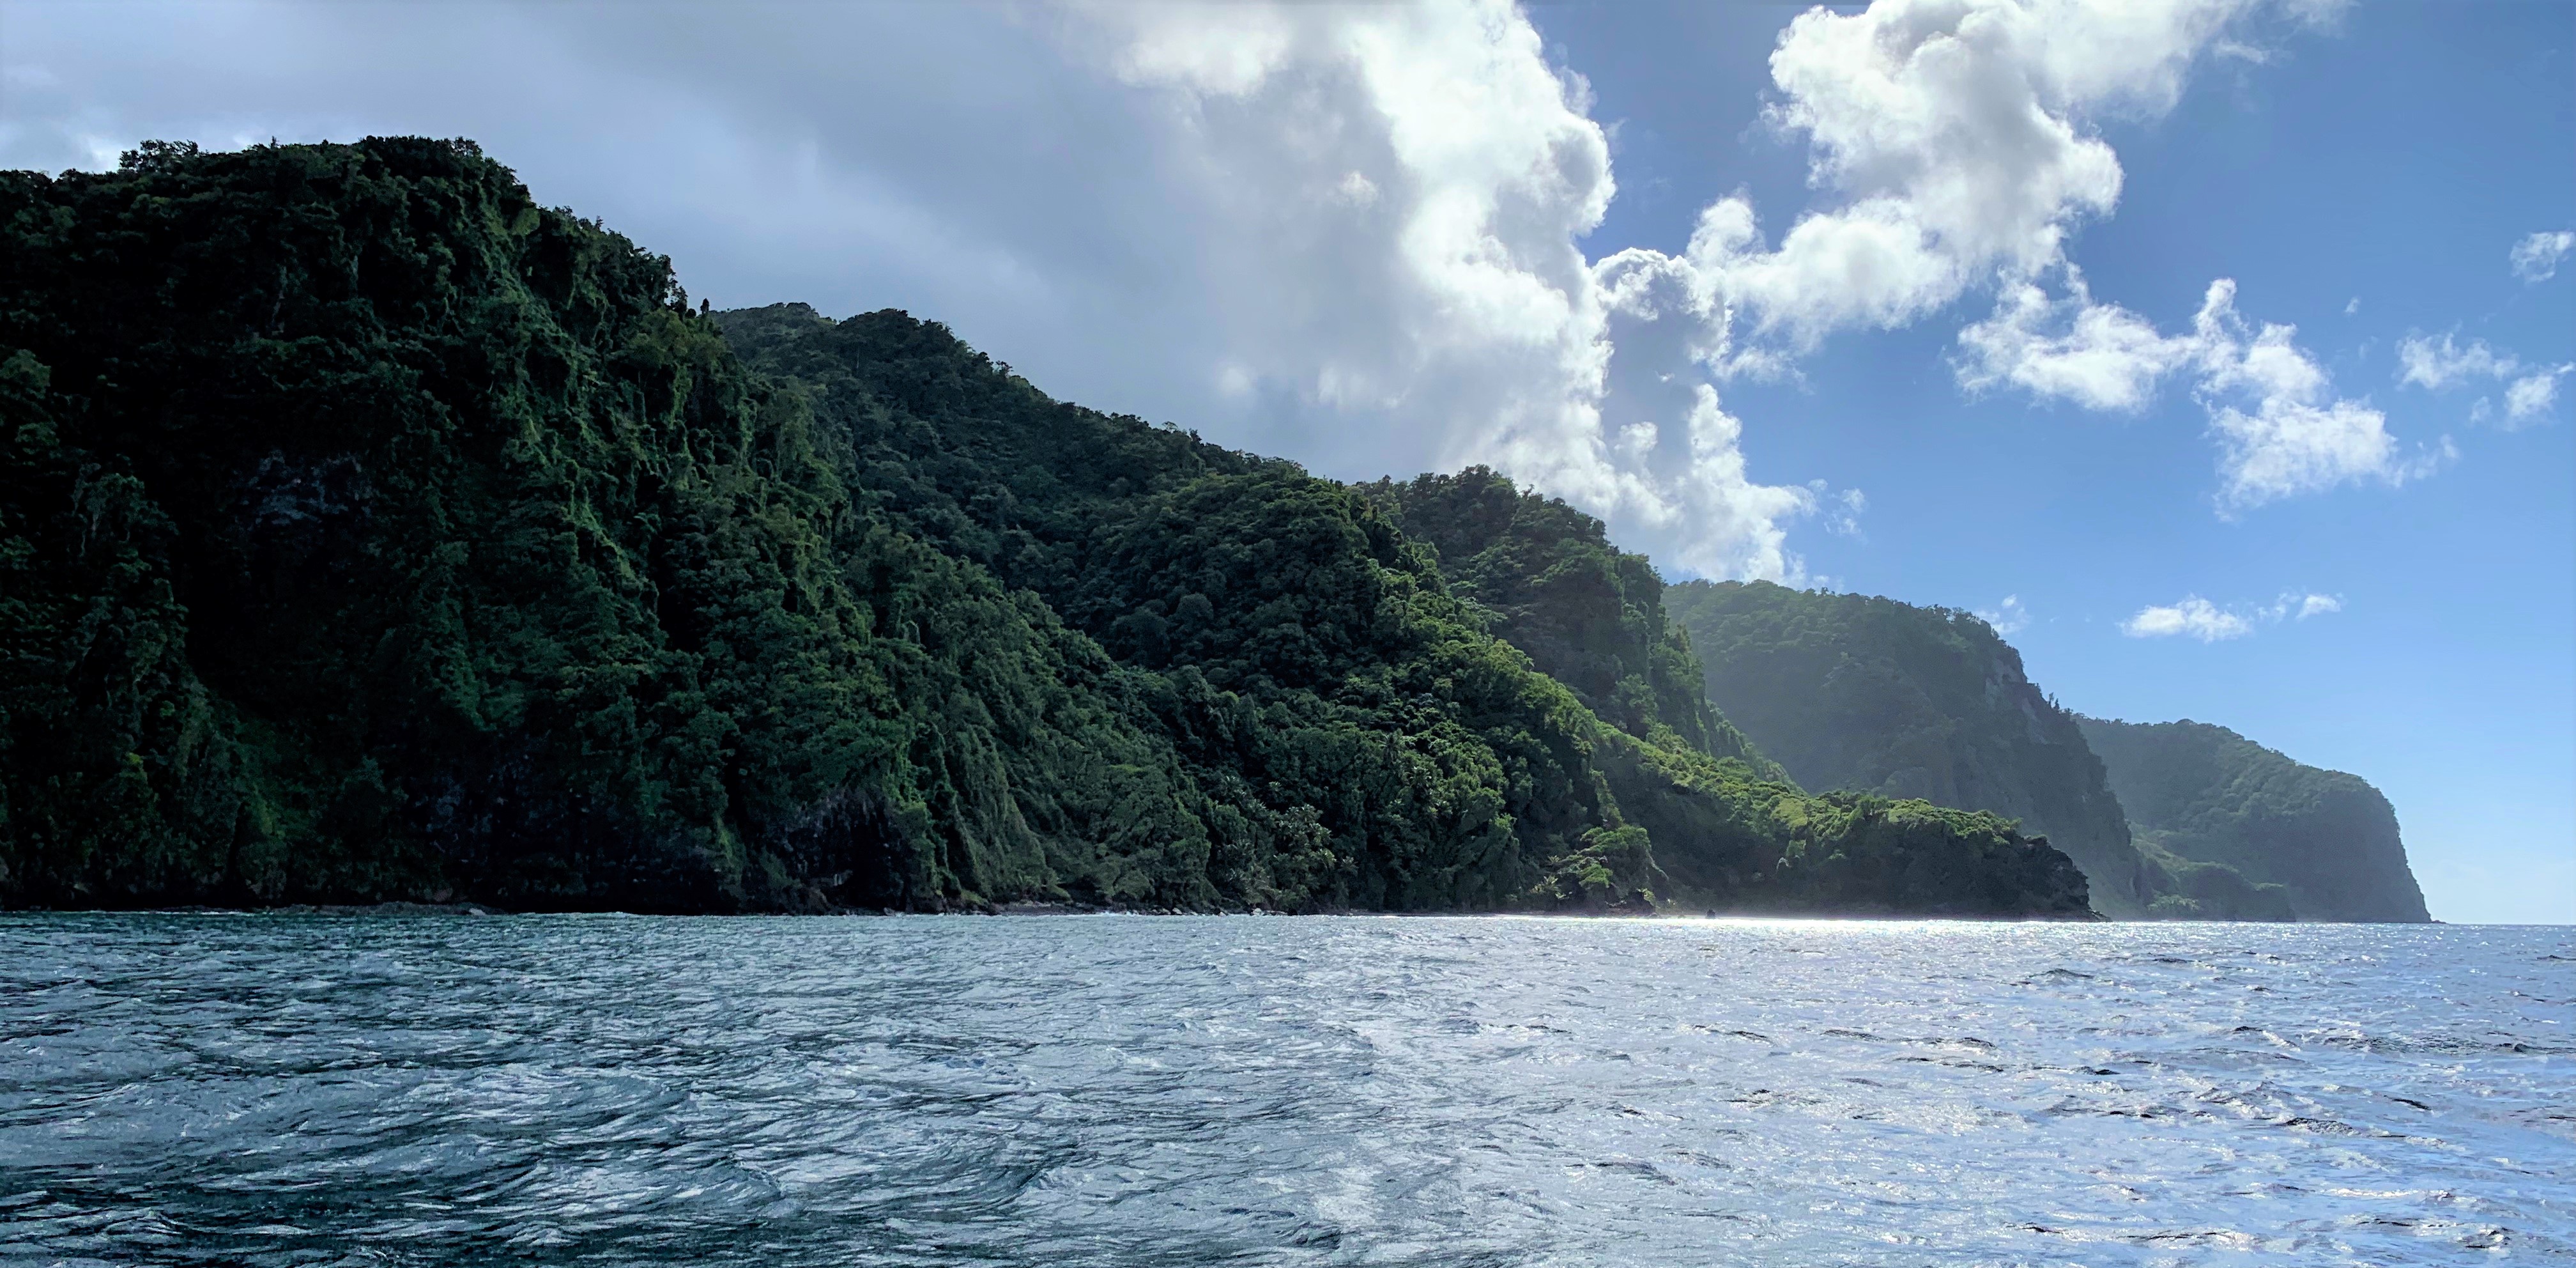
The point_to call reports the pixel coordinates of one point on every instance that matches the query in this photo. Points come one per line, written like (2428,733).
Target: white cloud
(1958,138)
(2440,363)
(1842,510)
(2100,356)
(2535,258)
(1953,143)
(1956,143)
(2281,430)
(2196,617)
(1958,135)
(1440,287)
(2007,617)
(2284,449)
(2296,438)
(2532,395)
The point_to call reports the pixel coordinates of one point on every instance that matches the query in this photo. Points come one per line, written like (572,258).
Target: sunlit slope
(1589,615)
(368,531)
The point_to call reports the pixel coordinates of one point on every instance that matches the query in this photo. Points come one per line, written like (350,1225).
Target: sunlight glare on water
(451,1089)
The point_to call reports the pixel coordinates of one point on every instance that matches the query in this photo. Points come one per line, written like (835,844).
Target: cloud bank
(1416,180)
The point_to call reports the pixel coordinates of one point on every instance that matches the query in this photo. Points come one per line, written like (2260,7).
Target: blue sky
(1946,331)
(2394,157)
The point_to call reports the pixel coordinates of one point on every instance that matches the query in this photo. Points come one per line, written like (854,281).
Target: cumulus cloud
(2100,356)
(1465,167)
(2535,258)
(2435,364)
(2281,429)
(2007,617)
(1956,144)
(1958,138)
(2196,617)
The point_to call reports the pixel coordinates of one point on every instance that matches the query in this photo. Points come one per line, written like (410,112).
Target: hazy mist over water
(959,1090)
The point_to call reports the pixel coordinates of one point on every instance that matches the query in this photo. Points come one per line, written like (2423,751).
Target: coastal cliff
(370,532)
(2170,821)
(2211,798)
(1851,691)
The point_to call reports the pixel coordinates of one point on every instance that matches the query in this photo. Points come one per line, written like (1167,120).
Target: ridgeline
(369,532)
(2209,799)
(2179,821)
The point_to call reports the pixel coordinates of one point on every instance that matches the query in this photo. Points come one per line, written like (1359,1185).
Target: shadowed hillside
(2211,797)
(1848,691)
(368,532)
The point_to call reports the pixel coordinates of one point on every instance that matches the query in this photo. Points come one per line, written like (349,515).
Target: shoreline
(1045,909)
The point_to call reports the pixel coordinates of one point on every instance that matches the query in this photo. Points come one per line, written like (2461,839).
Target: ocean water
(454,1089)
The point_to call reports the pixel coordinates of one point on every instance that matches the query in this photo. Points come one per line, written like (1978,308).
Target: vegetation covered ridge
(1867,693)
(2205,798)
(369,532)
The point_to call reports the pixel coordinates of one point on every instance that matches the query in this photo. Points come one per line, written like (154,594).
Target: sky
(2222,353)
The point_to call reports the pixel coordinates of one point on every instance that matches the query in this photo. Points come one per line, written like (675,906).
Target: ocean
(442,1088)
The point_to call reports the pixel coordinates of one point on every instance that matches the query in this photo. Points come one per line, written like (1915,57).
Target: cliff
(370,532)
(2211,797)
(1854,692)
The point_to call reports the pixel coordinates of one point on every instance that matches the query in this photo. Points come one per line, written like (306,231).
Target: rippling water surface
(1242,1090)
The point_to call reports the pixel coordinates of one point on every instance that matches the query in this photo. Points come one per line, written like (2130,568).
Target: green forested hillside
(2211,797)
(1588,614)
(1849,691)
(2178,820)
(373,532)
(1271,597)
(368,531)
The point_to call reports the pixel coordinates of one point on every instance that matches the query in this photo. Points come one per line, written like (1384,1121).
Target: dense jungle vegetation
(369,531)
(2210,798)
(1588,614)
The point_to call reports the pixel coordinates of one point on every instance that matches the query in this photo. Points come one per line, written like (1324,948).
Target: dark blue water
(272,1089)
